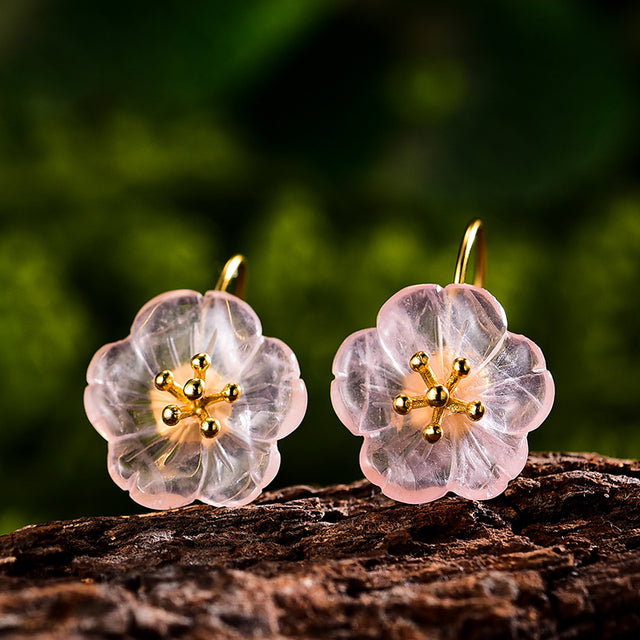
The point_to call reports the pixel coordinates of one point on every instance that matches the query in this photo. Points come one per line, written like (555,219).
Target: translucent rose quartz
(166,466)
(475,459)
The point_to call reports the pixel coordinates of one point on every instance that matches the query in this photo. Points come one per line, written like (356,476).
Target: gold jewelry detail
(236,267)
(193,398)
(438,396)
(475,232)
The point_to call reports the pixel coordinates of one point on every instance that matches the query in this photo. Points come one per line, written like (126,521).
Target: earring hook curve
(474,235)
(236,267)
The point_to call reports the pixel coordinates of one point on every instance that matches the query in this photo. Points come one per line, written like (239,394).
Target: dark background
(342,147)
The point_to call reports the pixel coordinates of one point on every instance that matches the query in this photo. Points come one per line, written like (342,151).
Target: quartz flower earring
(192,403)
(442,393)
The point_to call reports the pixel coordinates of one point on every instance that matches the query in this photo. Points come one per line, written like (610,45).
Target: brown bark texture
(556,556)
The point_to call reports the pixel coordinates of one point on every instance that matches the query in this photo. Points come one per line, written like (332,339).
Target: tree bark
(556,556)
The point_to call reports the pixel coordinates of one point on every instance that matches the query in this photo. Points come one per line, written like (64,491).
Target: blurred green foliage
(342,147)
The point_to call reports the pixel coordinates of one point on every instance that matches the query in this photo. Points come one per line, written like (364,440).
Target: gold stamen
(420,364)
(193,397)
(164,382)
(460,369)
(171,415)
(475,410)
(230,393)
(200,363)
(210,427)
(438,396)
(402,404)
(433,432)
(193,389)
(457,406)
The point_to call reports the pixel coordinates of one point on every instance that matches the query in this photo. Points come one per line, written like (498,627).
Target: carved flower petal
(473,325)
(405,466)
(159,472)
(166,331)
(485,460)
(445,323)
(516,389)
(178,324)
(410,321)
(230,333)
(235,472)
(117,398)
(366,382)
(274,398)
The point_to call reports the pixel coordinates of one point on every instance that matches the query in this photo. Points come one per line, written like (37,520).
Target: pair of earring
(193,402)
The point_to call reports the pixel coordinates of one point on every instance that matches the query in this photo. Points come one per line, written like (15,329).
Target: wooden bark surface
(556,556)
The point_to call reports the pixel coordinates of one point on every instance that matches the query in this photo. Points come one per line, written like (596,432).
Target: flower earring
(443,394)
(192,403)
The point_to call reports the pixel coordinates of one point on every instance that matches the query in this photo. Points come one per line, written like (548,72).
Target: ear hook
(236,267)
(474,235)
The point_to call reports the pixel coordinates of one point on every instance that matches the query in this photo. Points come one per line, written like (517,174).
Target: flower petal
(235,472)
(473,324)
(166,331)
(410,321)
(160,472)
(230,333)
(485,460)
(366,382)
(405,466)
(274,398)
(516,389)
(459,320)
(117,398)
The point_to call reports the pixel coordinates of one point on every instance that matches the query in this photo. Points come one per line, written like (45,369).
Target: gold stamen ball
(462,367)
(193,388)
(437,396)
(201,362)
(419,361)
(210,428)
(475,410)
(171,415)
(432,433)
(164,380)
(402,404)
(231,392)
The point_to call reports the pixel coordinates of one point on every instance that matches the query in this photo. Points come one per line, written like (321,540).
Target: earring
(443,394)
(192,403)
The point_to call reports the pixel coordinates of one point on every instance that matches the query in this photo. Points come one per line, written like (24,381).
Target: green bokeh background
(342,147)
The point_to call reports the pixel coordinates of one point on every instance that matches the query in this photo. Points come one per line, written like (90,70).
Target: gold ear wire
(474,235)
(236,267)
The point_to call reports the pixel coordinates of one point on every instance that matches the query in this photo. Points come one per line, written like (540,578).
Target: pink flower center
(193,396)
(438,396)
